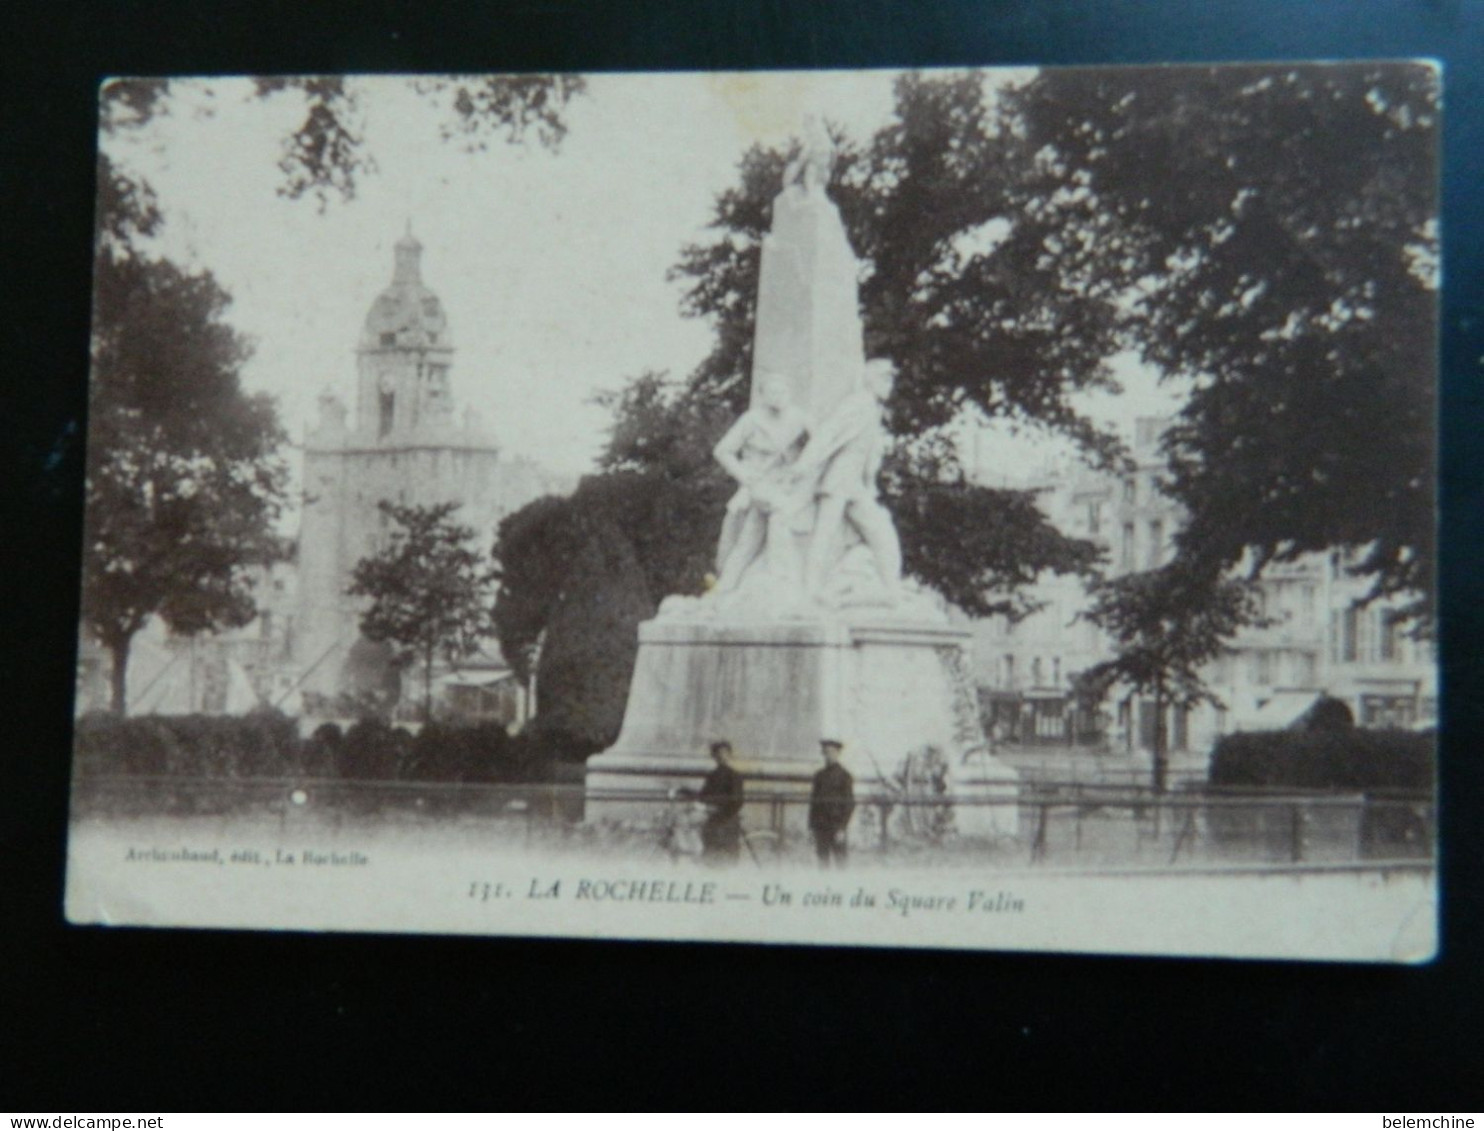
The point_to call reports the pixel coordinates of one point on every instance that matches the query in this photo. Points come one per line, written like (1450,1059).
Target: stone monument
(810,631)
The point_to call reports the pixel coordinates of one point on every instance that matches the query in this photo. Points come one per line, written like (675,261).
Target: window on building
(388,413)
(1308,601)
(1056,671)
(1094,517)
(1308,664)
(1264,661)
(1391,636)
(1156,542)
(1131,490)
(1126,556)
(388,338)
(1350,636)
(1009,672)
(1036,672)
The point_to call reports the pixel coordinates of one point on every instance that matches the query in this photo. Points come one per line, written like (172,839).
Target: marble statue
(806,533)
(809,171)
(759,452)
(838,467)
(806,536)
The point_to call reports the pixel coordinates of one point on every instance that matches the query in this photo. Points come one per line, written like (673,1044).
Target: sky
(551,265)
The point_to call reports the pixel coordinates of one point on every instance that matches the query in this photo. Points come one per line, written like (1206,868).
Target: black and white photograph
(989,509)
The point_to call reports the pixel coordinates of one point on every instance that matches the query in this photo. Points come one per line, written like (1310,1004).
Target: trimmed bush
(479,753)
(1320,758)
(321,751)
(262,744)
(267,745)
(372,751)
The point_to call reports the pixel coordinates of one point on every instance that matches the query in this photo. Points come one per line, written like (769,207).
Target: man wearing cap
(831,803)
(721,793)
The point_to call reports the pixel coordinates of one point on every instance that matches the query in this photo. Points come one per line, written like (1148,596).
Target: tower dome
(407,315)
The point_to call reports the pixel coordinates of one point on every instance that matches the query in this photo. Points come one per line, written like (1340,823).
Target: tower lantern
(404,356)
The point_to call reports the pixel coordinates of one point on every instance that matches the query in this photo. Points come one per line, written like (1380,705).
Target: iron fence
(1055,823)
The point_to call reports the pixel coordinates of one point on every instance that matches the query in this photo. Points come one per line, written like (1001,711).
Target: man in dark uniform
(831,803)
(721,793)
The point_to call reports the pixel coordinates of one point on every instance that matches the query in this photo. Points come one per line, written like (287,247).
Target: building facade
(1323,640)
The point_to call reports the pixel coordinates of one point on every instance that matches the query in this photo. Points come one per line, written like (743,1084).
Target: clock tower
(403,444)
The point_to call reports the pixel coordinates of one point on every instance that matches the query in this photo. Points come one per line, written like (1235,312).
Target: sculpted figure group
(806,522)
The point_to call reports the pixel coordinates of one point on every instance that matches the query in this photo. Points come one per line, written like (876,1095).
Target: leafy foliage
(1325,759)
(183,481)
(429,589)
(1275,230)
(961,290)
(1165,625)
(577,575)
(260,744)
(1265,234)
(326,156)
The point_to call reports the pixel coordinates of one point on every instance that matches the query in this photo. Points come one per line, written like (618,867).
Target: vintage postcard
(986,509)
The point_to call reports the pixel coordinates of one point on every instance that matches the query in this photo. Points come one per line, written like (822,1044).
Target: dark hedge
(267,745)
(1344,758)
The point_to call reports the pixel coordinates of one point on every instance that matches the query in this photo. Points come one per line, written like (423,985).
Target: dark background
(139,1020)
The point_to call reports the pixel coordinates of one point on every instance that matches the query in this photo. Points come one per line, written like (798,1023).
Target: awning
(472,679)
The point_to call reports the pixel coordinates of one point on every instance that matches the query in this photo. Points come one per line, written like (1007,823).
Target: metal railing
(1055,824)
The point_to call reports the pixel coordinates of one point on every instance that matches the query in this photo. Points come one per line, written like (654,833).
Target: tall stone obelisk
(808,308)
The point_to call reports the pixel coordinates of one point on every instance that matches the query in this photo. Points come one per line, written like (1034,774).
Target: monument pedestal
(773,689)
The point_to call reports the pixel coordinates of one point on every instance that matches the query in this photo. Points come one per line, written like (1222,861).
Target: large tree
(183,482)
(1165,626)
(429,590)
(1273,231)
(578,575)
(182,479)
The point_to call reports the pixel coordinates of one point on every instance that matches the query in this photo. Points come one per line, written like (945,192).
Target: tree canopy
(577,576)
(1272,234)
(183,481)
(1165,626)
(326,156)
(429,589)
